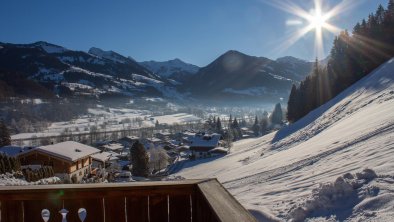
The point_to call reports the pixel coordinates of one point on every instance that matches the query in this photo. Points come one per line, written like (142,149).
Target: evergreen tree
(277,115)
(256,127)
(218,125)
(236,129)
(264,125)
(140,160)
(293,104)
(5,138)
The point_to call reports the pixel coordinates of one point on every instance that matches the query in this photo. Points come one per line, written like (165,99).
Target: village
(109,159)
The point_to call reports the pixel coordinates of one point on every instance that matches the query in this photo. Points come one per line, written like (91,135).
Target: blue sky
(196,31)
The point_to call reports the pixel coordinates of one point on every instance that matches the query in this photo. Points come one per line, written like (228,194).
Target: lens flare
(316,20)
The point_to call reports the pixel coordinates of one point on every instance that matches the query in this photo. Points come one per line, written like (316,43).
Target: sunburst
(315,19)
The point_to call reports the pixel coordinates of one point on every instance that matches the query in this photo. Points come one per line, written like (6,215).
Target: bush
(38,174)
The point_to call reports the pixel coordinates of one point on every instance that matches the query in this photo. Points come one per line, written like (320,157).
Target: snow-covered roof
(105,156)
(219,150)
(207,140)
(68,150)
(113,146)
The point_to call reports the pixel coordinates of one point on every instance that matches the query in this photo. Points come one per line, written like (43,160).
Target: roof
(13,150)
(113,146)
(207,140)
(201,149)
(129,138)
(68,150)
(105,156)
(219,150)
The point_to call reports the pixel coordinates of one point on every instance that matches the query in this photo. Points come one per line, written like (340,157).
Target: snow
(68,150)
(110,55)
(170,67)
(9,180)
(105,156)
(176,118)
(274,174)
(50,48)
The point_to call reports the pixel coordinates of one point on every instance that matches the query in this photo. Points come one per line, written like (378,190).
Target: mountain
(69,73)
(174,69)
(235,75)
(315,168)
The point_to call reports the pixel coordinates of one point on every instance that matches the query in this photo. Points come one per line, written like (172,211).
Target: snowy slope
(111,55)
(168,68)
(275,174)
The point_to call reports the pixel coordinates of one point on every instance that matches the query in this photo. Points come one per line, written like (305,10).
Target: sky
(196,31)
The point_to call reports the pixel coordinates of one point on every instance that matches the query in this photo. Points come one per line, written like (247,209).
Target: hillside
(235,75)
(175,69)
(64,72)
(277,176)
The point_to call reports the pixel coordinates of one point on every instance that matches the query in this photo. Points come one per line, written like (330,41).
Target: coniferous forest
(352,57)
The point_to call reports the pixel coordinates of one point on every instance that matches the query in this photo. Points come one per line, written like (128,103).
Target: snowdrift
(274,174)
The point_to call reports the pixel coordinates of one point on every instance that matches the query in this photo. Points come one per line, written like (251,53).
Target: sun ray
(317,19)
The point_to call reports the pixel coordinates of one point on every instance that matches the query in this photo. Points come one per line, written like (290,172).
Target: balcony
(188,200)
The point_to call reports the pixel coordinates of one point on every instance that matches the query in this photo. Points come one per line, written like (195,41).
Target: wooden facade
(183,201)
(79,167)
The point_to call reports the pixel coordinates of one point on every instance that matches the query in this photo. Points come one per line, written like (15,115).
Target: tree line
(352,57)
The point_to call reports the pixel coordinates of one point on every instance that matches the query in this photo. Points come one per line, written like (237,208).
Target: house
(69,159)
(113,147)
(128,141)
(218,151)
(202,143)
(103,158)
(163,135)
(151,142)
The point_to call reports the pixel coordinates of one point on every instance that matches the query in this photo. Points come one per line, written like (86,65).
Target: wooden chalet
(201,144)
(68,159)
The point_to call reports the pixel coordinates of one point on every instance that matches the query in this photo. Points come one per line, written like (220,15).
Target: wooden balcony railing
(188,200)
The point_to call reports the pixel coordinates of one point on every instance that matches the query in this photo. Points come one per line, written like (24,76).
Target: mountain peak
(290,59)
(49,47)
(111,55)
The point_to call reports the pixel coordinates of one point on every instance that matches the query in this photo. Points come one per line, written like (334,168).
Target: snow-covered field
(274,175)
(110,119)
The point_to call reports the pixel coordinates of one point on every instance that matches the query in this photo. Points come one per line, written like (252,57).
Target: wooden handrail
(186,200)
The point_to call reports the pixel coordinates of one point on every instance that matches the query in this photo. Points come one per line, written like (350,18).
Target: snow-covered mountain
(70,73)
(235,75)
(315,168)
(174,69)
(111,55)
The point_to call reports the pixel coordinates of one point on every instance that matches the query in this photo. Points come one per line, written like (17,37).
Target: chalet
(103,158)
(201,144)
(128,141)
(113,147)
(68,159)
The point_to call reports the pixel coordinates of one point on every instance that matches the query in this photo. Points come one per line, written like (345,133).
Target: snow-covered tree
(158,158)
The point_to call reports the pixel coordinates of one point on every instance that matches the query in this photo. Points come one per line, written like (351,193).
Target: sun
(318,20)
(315,20)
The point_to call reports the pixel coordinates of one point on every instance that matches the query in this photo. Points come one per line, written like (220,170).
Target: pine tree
(5,138)
(218,125)
(293,105)
(264,125)
(256,127)
(277,115)
(140,160)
